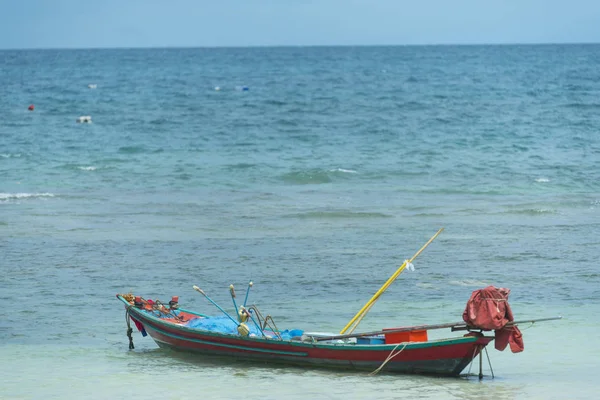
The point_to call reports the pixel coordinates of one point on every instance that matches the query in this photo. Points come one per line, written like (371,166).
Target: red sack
(488,309)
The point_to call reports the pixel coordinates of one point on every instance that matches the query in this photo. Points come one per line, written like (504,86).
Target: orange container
(400,337)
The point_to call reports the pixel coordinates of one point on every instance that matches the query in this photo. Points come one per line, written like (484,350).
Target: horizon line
(299,46)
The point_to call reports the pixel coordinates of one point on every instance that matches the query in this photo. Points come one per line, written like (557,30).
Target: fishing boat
(248,335)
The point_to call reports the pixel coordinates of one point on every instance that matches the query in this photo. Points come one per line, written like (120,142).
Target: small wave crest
(339,214)
(18,196)
(273,102)
(469,282)
(342,170)
(411,106)
(90,168)
(542,180)
(533,211)
(315,176)
(307,177)
(132,149)
(240,166)
(426,286)
(583,106)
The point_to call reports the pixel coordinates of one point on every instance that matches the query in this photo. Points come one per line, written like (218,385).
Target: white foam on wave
(469,282)
(10,196)
(426,286)
(542,180)
(90,168)
(545,210)
(346,171)
(6,155)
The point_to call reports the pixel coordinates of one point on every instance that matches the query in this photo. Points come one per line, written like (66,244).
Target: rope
(129,330)
(524,329)
(389,357)
(495,300)
(471,363)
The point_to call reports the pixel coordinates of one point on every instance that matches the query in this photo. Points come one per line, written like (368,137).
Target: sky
(225,23)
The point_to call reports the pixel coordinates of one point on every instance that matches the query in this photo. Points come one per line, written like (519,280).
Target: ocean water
(316,183)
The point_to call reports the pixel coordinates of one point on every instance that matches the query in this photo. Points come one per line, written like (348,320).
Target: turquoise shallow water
(316,183)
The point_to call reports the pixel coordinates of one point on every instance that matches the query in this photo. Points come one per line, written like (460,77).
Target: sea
(313,172)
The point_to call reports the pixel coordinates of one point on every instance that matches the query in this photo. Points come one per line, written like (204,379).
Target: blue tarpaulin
(226,325)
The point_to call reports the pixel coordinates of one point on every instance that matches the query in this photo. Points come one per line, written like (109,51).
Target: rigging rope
(129,330)
(389,357)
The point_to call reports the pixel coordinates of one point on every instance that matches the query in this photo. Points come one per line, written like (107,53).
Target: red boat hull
(439,357)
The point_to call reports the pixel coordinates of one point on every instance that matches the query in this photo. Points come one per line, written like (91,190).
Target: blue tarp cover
(225,325)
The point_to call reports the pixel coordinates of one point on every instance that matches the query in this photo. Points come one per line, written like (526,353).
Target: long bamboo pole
(360,318)
(392,278)
(454,326)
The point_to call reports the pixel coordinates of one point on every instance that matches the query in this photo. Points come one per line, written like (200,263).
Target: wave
(9,155)
(412,106)
(338,214)
(159,121)
(111,160)
(542,180)
(583,106)
(76,167)
(532,211)
(426,286)
(316,176)
(306,137)
(287,122)
(430,215)
(459,190)
(273,102)
(13,196)
(307,177)
(345,171)
(132,149)
(184,177)
(240,166)
(469,282)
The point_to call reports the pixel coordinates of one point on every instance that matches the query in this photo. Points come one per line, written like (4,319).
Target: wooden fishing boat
(403,350)
(251,336)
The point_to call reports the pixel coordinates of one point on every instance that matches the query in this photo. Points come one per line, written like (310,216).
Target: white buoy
(92,86)
(85,119)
